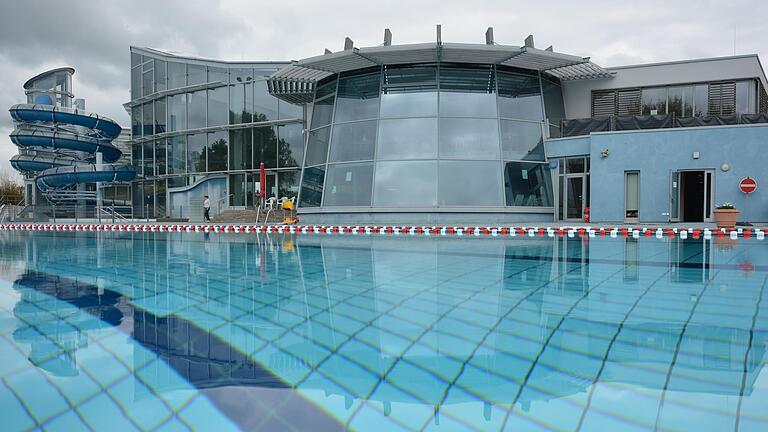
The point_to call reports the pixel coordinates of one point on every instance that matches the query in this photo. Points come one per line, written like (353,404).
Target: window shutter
(629,102)
(603,103)
(722,98)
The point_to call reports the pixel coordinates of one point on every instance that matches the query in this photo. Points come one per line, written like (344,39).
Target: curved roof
(28,84)
(295,83)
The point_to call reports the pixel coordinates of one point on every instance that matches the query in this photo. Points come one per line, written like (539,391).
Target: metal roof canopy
(295,83)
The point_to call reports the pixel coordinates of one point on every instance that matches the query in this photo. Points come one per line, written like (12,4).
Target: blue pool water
(158,331)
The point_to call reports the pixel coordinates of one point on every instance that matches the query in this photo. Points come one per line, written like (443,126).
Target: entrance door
(691,196)
(573,197)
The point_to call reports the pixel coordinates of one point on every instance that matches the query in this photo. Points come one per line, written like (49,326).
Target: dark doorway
(692,196)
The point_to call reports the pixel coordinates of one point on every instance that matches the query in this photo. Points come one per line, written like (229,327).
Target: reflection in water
(471,324)
(53,333)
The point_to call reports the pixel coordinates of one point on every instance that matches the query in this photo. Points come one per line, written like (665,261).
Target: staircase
(246,216)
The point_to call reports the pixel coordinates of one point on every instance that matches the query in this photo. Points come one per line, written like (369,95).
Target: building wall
(655,153)
(578,94)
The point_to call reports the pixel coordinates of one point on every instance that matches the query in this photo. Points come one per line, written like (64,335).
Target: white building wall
(577,95)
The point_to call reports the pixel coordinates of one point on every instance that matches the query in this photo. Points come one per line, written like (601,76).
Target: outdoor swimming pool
(169,331)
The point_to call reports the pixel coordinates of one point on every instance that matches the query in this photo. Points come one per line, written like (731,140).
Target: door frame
(564,195)
(676,191)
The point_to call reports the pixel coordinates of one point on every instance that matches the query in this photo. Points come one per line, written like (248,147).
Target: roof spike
(387,37)
(489,36)
(348,44)
(529,41)
(439,34)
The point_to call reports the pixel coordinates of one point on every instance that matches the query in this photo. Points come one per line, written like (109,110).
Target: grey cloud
(94,36)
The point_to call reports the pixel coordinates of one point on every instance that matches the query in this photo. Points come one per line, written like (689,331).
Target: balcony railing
(578,127)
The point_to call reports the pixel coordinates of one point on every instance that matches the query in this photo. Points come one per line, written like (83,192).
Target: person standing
(207,209)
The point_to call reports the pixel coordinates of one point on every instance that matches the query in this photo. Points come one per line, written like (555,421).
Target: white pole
(99,162)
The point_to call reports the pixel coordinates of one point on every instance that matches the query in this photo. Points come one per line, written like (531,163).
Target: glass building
(203,127)
(449,131)
(432,132)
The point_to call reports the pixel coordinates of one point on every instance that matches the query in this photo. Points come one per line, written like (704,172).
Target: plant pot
(726,218)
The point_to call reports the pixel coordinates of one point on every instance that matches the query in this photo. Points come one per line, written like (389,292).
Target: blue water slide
(61,143)
(55,178)
(28,163)
(31,113)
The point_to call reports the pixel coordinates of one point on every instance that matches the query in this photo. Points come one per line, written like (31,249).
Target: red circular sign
(748,185)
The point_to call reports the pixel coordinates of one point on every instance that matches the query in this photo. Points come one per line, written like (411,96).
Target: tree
(11,191)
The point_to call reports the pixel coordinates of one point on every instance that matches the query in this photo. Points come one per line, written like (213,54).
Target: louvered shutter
(628,102)
(603,103)
(722,98)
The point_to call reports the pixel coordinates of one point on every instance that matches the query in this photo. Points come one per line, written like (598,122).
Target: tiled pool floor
(188,331)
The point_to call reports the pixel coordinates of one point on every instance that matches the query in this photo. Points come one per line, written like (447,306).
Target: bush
(11,190)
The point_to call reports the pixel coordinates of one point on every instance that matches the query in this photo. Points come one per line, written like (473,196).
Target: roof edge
(69,69)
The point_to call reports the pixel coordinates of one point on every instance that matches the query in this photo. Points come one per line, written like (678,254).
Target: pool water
(176,331)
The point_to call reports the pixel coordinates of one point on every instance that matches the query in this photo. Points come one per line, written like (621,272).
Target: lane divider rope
(368,230)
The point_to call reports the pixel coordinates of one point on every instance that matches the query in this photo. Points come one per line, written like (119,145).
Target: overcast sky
(94,36)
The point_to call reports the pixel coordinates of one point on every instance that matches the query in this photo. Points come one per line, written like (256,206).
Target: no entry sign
(748,185)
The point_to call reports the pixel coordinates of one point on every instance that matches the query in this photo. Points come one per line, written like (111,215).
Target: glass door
(674,196)
(573,197)
(708,185)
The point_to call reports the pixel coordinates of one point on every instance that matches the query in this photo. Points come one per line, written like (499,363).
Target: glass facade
(193,118)
(428,136)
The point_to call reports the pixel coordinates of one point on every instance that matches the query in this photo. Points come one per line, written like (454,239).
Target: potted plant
(726,215)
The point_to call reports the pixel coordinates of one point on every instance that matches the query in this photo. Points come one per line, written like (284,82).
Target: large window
(218,106)
(160,83)
(467,92)
(148,119)
(240,149)
(177,112)
(265,146)
(196,74)
(521,140)
(177,155)
(312,187)
(196,145)
(160,116)
(409,92)
(196,109)
(425,136)
(358,97)
(746,97)
(469,138)
(519,96)
(654,101)
(264,104)
(177,75)
(290,145)
(217,151)
(469,183)
(349,184)
(527,184)
(680,101)
(353,141)
(160,157)
(317,146)
(407,139)
(406,184)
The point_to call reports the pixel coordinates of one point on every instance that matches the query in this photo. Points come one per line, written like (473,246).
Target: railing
(113,213)
(579,127)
